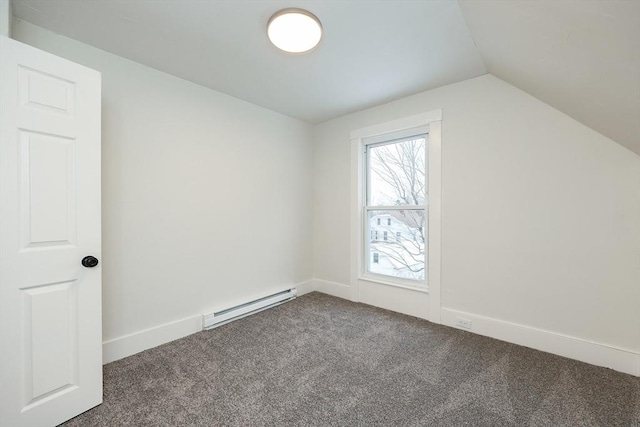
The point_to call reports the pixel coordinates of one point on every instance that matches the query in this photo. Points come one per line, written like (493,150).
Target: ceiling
(581,57)
(372,51)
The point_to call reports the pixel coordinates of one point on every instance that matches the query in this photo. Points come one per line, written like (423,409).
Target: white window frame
(432,121)
(367,144)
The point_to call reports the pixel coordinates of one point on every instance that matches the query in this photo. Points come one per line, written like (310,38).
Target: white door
(50,305)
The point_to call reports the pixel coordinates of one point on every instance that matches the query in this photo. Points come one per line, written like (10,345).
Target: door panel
(46,92)
(51,352)
(48,189)
(50,306)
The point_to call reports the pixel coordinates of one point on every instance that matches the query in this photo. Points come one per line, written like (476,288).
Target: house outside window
(396,202)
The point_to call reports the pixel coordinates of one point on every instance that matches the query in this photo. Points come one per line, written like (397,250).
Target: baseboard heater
(219,318)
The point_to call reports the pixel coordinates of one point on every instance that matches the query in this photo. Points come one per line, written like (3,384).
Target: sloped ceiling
(372,51)
(581,57)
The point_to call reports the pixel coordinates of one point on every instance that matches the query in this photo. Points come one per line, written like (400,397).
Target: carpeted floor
(324,361)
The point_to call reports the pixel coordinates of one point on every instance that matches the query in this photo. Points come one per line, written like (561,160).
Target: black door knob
(89,261)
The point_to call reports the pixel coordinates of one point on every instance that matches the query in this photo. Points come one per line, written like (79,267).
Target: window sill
(382,281)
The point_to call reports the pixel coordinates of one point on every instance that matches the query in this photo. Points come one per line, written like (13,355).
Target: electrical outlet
(463,323)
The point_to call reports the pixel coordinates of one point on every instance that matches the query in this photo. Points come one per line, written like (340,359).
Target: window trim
(433,122)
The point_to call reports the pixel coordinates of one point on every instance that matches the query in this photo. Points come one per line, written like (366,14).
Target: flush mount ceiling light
(294,30)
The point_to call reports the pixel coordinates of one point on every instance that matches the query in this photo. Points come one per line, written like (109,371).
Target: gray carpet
(323,361)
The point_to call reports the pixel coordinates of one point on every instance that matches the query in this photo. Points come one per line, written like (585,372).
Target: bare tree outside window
(397,178)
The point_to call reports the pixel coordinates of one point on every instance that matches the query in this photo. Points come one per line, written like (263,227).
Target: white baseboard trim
(618,359)
(128,345)
(305,287)
(332,288)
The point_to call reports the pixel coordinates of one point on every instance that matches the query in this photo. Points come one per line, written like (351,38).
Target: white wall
(206,198)
(5,18)
(540,214)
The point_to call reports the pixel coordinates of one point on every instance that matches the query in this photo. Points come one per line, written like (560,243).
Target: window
(409,262)
(396,188)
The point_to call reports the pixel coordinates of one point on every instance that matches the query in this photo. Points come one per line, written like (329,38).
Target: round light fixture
(294,30)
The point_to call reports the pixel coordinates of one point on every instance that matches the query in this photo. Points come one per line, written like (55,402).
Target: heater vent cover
(221,317)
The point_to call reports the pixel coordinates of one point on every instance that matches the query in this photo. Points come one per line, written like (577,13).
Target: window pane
(403,256)
(397,173)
